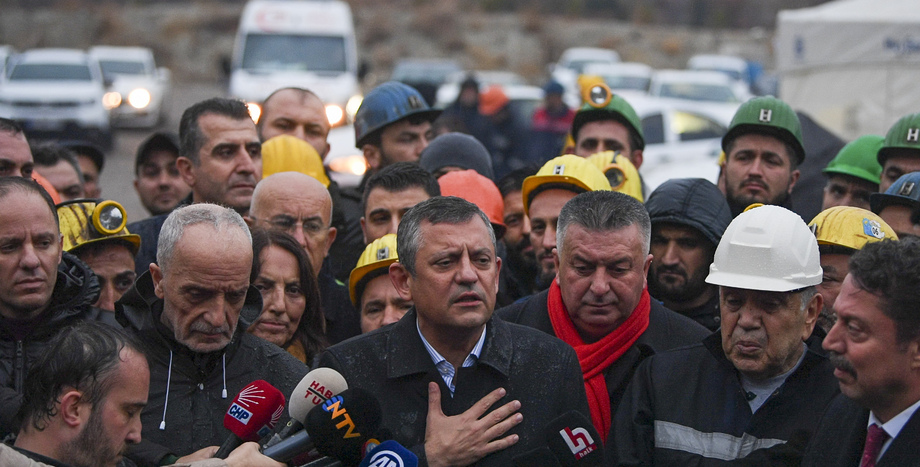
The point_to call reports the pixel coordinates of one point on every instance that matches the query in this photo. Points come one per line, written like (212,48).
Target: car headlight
(354,164)
(351,107)
(335,114)
(255,111)
(111,99)
(139,98)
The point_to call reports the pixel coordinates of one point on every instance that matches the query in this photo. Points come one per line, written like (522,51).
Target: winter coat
(190,391)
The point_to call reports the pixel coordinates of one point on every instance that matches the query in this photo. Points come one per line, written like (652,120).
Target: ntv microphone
(315,388)
(390,453)
(252,415)
(344,424)
(573,440)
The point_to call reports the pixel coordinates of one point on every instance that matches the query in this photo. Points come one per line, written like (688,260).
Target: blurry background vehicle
(6,52)
(425,75)
(56,93)
(626,78)
(449,91)
(306,44)
(707,86)
(135,87)
(572,63)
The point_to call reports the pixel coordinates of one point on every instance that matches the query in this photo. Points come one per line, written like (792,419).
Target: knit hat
(479,190)
(456,150)
(492,100)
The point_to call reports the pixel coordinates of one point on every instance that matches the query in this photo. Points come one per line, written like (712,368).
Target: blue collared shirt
(444,367)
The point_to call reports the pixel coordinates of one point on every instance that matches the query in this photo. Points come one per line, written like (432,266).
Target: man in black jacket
(599,303)
(190,313)
(448,360)
(874,345)
(42,289)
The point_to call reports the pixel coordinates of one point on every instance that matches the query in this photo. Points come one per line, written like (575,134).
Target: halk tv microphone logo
(579,441)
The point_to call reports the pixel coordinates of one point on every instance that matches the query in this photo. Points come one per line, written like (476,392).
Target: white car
(623,78)
(696,85)
(735,67)
(136,88)
(56,93)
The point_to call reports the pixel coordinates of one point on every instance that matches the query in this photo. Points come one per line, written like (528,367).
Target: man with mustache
(875,346)
(519,271)
(746,391)
(220,158)
(762,149)
(598,302)
(688,218)
(448,361)
(190,312)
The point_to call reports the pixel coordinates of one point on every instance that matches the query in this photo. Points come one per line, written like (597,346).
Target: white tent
(853,65)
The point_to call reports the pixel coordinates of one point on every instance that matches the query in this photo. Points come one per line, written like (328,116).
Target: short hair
(50,154)
(11,126)
(437,210)
(191,138)
(301,92)
(401,176)
(84,357)
(311,330)
(890,270)
(790,149)
(514,180)
(602,211)
(218,217)
(28,186)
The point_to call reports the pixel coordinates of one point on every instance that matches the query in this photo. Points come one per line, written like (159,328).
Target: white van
(294,43)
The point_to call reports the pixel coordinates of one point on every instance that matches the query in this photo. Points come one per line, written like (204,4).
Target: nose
(247,165)
(297,233)
(756,167)
(273,300)
(525,226)
(106,297)
(394,224)
(422,144)
(29,259)
(670,254)
(466,273)
(216,314)
(832,342)
(749,317)
(392,314)
(599,284)
(134,432)
(549,237)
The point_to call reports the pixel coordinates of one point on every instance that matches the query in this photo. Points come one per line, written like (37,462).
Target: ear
(372,155)
(645,268)
(325,153)
(60,248)
(636,158)
(135,184)
(793,178)
(721,180)
(330,239)
(498,270)
(812,310)
(74,410)
(913,349)
(249,221)
(556,260)
(156,274)
(364,230)
(186,170)
(401,280)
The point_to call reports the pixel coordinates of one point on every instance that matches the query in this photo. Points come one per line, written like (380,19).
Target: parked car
(572,64)
(695,85)
(426,75)
(57,93)
(6,52)
(623,78)
(136,88)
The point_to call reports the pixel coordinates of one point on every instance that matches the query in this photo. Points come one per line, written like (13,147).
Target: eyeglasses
(311,226)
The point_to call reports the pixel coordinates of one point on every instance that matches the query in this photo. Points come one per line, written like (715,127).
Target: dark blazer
(666,330)
(841,436)
(392,362)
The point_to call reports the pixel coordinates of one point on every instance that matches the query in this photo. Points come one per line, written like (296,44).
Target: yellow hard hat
(620,172)
(379,254)
(850,227)
(285,153)
(86,221)
(565,170)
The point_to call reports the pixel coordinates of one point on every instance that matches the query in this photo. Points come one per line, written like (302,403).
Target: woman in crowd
(291,317)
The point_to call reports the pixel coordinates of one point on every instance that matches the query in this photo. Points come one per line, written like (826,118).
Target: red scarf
(597,357)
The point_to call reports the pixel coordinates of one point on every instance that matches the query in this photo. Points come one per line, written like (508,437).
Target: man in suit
(875,346)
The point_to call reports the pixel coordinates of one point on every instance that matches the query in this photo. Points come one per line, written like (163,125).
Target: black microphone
(342,425)
(290,447)
(573,441)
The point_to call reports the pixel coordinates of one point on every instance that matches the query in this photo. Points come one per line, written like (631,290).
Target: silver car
(136,88)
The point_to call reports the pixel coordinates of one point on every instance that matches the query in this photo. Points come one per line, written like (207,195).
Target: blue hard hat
(905,191)
(388,103)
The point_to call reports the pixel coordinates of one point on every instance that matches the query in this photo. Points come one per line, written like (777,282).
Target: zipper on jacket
(19,365)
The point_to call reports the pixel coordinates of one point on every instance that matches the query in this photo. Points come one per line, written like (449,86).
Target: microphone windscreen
(390,453)
(254,411)
(341,425)
(314,389)
(574,441)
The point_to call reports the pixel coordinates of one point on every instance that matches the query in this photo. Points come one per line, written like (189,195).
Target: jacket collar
(406,354)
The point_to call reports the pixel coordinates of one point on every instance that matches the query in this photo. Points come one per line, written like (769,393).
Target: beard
(519,260)
(93,447)
(738,203)
(690,288)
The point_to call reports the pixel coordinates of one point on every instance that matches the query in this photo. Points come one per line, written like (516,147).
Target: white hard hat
(767,248)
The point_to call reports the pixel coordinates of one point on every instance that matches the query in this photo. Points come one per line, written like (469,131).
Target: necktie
(875,438)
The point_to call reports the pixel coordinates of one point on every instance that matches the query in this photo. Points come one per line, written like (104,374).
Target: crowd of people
(481,290)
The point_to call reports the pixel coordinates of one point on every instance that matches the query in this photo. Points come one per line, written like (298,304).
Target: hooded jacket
(75,291)
(191,391)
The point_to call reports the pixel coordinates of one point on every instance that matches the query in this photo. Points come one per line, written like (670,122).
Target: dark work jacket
(149,231)
(195,410)
(688,407)
(74,293)
(706,314)
(349,238)
(392,362)
(666,330)
(841,437)
(342,320)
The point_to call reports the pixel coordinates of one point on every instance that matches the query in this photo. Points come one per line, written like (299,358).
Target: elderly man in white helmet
(755,384)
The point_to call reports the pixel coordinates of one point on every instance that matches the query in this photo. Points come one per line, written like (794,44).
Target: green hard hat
(602,104)
(905,134)
(858,159)
(770,116)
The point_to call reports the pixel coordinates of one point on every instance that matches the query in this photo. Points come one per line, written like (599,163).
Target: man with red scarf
(599,302)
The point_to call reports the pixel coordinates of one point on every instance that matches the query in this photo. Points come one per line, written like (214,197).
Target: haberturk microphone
(574,441)
(317,386)
(390,453)
(343,424)
(252,415)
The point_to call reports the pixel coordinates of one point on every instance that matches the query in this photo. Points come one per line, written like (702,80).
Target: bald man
(300,206)
(296,112)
